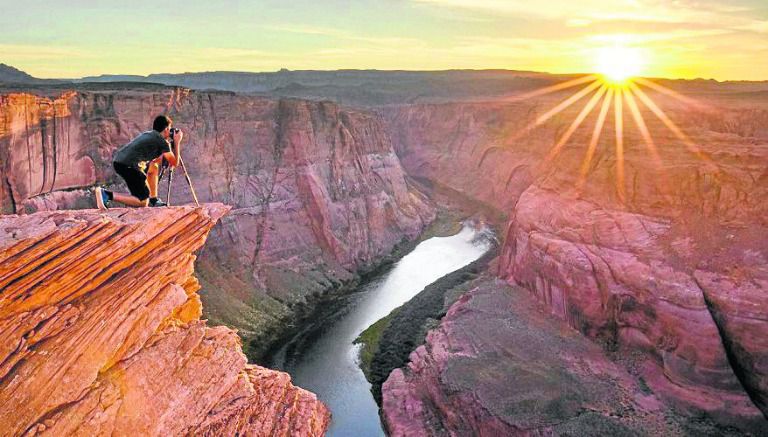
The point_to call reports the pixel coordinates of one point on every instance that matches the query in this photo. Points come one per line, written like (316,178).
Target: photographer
(138,163)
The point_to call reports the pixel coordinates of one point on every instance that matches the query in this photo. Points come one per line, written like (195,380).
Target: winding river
(324,360)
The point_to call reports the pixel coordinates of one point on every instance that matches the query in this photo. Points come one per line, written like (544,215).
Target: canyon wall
(499,365)
(101,333)
(660,254)
(669,259)
(317,191)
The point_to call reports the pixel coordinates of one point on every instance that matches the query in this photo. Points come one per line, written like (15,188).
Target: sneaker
(153,202)
(102,201)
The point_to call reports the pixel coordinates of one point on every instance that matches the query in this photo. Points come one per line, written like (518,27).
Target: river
(324,360)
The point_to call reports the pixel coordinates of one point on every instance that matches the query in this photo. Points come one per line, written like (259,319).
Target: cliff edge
(101,333)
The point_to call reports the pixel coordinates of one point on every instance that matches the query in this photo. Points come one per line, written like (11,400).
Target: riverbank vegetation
(387,343)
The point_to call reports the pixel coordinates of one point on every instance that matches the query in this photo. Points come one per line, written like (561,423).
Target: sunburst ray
(649,143)
(609,93)
(669,92)
(568,102)
(618,111)
(649,103)
(596,132)
(642,126)
(557,109)
(553,88)
(577,122)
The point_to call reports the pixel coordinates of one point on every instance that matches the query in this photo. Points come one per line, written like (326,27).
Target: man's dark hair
(161,122)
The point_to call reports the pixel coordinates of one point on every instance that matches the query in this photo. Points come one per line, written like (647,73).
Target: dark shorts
(135,179)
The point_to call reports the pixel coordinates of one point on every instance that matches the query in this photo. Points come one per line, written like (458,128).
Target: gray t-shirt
(142,149)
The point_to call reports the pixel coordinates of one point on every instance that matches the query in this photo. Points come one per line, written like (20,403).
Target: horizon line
(479,70)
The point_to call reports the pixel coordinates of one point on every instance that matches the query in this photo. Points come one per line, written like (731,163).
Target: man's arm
(174,155)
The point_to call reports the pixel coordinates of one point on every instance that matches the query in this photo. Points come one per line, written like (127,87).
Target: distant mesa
(113,78)
(14,75)
(364,88)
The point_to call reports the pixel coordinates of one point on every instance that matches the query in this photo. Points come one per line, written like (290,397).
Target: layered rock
(498,365)
(101,333)
(317,191)
(669,260)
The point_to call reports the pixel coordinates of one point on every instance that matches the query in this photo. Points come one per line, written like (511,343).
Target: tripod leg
(170,182)
(189,181)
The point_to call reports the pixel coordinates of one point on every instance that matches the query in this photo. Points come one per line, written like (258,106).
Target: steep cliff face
(101,333)
(317,191)
(670,260)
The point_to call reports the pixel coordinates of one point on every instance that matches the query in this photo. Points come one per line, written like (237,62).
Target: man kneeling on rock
(138,163)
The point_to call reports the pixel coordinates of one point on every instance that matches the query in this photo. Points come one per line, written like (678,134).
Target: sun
(617,64)
(615,90)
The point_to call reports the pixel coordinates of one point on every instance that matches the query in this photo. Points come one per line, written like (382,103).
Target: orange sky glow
(674,39)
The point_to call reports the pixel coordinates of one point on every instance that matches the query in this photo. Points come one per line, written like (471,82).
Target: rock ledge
(101,333)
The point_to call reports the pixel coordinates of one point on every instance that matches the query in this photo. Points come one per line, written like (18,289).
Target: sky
(724,40)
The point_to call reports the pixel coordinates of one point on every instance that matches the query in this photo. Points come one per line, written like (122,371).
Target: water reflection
(325,361)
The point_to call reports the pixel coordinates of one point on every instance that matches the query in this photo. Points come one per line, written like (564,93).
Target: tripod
(170,180)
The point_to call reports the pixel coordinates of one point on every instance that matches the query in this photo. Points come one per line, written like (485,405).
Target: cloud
(229,53)
(587,12)
(42,52)
(342,34)
(638,10)
(304,30)
(759,26)
(644,38)
(578,22)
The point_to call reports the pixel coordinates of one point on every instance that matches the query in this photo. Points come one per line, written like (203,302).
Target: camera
(173,130)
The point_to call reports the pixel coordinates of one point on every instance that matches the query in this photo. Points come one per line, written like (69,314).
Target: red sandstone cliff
(675,267)
(317,190)
(100,333)
(499,365)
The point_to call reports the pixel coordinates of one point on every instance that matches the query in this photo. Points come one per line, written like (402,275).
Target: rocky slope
(669,261)
(101,333)
(317,191)
(499,365)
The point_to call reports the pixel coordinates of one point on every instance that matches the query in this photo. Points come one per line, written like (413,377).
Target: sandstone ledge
(100,329)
